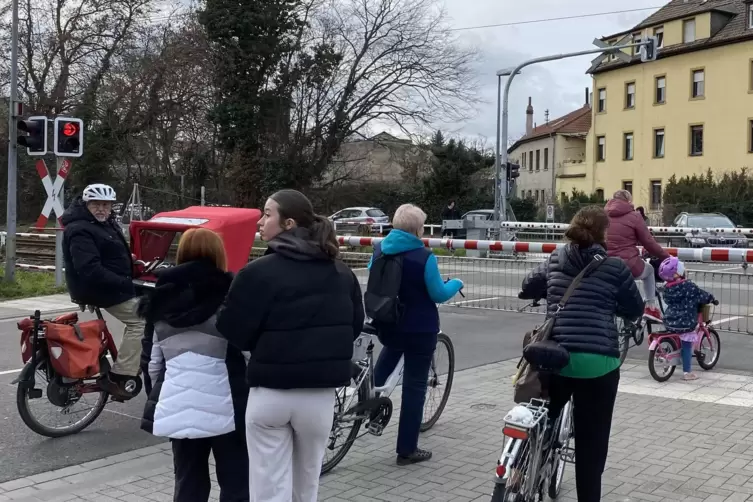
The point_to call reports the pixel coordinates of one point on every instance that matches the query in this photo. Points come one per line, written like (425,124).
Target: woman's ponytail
(323,233)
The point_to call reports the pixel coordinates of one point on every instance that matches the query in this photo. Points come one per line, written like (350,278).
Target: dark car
(701,236)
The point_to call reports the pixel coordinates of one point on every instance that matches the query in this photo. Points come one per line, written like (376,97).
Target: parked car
(702,237)
(360,215)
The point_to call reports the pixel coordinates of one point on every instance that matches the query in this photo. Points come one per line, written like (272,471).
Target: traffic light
(69,137)
(35,137)
(648,51)
(513,171)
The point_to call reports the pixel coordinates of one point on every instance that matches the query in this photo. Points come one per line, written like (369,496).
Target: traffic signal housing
(69,137)
(35,135)
(648,51)
(513,171)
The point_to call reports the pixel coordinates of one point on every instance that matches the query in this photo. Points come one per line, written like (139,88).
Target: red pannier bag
(27,329)
(75,350)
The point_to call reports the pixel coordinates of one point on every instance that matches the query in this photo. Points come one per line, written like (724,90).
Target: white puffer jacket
(195,400)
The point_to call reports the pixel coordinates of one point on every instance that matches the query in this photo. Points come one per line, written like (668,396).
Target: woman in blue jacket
(415,335)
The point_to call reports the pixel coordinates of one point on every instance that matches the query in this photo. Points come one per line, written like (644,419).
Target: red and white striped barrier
(709,255)
(530,225)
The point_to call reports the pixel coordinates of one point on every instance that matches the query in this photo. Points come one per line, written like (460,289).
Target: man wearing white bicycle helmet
(98,270)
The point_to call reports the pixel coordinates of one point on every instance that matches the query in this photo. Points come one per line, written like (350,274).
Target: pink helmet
(670,267)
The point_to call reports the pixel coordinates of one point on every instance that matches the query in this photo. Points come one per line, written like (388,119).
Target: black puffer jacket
(586,323)
(188,295)
(298,312)
(98,264)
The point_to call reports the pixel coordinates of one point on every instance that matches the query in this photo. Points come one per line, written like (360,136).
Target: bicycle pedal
(375,429)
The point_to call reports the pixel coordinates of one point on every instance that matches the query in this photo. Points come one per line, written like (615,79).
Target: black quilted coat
(587,323)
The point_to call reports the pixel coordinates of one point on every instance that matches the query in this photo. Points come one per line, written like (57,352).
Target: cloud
(555,86)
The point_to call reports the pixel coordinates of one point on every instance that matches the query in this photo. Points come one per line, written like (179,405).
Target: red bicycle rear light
(501,471)
(515,433)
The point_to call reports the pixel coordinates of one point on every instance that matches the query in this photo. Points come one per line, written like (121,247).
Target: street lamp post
(501,181)
(499,194)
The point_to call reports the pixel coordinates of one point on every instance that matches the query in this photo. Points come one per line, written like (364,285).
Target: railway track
(41,251)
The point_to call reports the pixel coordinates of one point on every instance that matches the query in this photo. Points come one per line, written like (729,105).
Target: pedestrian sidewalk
(50,304)
(662,448)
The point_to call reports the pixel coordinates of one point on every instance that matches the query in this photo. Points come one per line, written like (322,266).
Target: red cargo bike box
(155,241)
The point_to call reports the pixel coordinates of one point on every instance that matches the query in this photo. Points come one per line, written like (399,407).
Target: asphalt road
(480,335)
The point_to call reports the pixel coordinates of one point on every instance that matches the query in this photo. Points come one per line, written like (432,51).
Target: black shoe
(417,456)
(120,387)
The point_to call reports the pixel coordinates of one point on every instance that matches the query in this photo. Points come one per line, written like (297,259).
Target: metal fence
(493,283)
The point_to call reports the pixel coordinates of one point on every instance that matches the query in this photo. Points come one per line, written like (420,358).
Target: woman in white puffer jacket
(199,395)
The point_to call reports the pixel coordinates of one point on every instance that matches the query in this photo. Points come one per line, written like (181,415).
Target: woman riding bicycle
(627,230)
(586,328)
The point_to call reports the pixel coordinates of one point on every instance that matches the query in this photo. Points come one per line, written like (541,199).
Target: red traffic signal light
(69,137)
(35,137)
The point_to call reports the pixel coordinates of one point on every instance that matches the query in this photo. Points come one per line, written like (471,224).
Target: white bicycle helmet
(99,191)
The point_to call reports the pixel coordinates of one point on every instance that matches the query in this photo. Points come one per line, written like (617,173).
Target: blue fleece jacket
(398,241)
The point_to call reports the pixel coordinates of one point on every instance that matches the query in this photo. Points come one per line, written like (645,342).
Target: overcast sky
(558,86)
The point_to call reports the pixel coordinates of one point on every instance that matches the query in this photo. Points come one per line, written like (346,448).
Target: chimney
(529,117)
(586,96)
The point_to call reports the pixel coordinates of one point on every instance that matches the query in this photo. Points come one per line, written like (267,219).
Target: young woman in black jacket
(298,310)
(586,328)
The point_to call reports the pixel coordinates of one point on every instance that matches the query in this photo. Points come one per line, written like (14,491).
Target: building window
(627,185)
(546,159)
(600,194)
(688,31)
(628,146)
(563,197)
(655,194)
(601,148)
(530,161)
(630,95)
(750,136)
(538,160)
(659,143)
(524,160)
(698,88)
(659,34)
(750,85)
(636,39)
(661,90)
(529,194)
(602,100)
(750,15)
(696,140)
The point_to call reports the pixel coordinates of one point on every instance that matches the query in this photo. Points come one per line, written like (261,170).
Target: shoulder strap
(595,263)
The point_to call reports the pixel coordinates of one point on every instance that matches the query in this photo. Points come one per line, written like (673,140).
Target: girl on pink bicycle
(682,299)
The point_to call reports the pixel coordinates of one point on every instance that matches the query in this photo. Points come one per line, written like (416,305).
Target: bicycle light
(501,471)
(515,433)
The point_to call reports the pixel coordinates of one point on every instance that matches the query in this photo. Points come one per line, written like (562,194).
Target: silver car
(360,215)
(703,237)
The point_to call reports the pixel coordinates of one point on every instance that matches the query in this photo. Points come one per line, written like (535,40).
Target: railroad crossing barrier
(494,282)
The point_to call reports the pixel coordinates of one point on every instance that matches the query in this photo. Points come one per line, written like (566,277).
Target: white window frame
(750,15)
(628,94)
(628,139)
(657,87)
(659,33)
(701,84)
(663,134)
(688,37)
(601,148)
(600,108)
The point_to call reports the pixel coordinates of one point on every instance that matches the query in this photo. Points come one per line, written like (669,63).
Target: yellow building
(686,112)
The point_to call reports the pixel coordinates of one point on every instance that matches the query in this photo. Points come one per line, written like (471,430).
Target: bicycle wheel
(62,399)
(439,382)
(671,346)
(337,429)
(564,438)
(715,347)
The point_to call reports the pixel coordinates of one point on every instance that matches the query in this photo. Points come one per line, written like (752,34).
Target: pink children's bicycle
(664,348)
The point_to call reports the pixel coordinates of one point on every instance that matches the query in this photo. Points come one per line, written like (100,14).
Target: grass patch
(28,283)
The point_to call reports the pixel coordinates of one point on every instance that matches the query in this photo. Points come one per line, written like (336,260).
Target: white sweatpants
(287,432)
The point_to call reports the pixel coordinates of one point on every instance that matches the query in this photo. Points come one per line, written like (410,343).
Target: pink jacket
(626,231)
